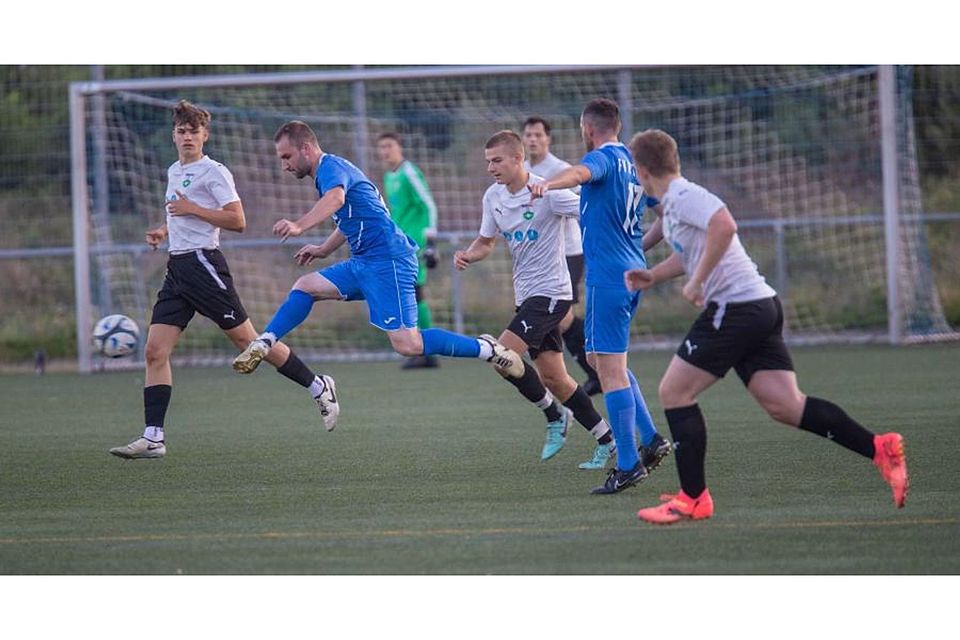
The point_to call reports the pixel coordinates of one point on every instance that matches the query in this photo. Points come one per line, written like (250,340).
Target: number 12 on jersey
(633,218)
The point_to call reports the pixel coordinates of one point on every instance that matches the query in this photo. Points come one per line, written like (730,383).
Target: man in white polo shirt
(539,161)
(201,199)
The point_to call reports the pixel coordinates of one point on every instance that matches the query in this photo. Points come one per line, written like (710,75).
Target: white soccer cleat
(504,358)
(141,448)
(328,404)
(251,357)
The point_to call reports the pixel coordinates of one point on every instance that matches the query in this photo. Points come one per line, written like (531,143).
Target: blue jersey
(364,218)
(612,205)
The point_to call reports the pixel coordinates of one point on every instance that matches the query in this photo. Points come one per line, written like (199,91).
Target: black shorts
(538,323)
(198,281)
(575,267)
(750,339)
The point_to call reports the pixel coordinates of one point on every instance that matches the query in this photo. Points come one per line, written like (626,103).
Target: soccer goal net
(797,153)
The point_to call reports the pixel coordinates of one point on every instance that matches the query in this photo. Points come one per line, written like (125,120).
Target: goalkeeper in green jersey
(414,211)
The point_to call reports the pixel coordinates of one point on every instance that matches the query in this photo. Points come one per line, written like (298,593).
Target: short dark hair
(297,132)
(390,135)
(191,115)
(532,120)
(656,151)
(603,114)
(508,138)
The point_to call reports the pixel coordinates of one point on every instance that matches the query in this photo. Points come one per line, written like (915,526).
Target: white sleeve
(564,202)
(697,206)
(488,225)
(222,187)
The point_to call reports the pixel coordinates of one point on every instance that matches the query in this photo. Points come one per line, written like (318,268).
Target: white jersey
(210,185)
(550,166)
(534,236)
(687,209)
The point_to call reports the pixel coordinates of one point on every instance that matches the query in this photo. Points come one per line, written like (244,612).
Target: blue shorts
(386,285)
(606,324)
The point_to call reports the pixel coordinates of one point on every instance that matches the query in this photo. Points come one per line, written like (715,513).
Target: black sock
(689,433)
(156,399)
(583,410)
(295,370)
(826,419)
(573,338)
(531,387)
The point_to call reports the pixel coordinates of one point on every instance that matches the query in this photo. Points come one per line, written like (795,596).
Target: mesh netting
(793,151)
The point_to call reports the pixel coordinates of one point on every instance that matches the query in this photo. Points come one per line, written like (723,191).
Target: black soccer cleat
(653,455)
(618,480)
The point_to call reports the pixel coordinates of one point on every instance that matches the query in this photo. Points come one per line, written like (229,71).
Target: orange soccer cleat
(679,507)
(892,462)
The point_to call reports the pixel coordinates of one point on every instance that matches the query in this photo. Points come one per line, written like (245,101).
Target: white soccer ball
(116,336)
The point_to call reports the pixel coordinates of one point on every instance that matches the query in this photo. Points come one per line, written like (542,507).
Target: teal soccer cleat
(601,456)
(556,435)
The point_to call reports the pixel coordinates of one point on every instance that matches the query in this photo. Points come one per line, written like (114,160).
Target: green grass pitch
(438,472)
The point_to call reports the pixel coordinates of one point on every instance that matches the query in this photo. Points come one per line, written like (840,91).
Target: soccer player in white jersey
(740,327)
(542,291)
(539,161)
(201,199)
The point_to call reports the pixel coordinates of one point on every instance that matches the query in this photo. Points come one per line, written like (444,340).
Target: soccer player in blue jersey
(382,268)
(612,205)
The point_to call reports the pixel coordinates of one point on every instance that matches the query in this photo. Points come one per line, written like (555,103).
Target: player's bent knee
(406,344)
(778,411)
(156,353)
(673,396)
(789,411)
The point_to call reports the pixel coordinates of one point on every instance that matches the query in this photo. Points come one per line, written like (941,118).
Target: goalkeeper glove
(430,256)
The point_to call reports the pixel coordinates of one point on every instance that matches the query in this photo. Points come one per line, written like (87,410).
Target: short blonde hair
(656,151)
(507,138)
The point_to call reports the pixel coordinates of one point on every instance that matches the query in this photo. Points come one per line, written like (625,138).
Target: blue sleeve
(332,175)
(598,164)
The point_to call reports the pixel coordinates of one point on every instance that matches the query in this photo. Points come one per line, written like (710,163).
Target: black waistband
(193,254)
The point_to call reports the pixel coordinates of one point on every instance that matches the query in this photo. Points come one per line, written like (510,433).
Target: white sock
(154,434)
(486,350)
(600,429)
(268,337)
(545,402)
(317,386)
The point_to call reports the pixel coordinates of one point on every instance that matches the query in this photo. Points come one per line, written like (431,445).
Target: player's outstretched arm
(570,177)
(309,253)
(637,279)
(478,250)
(325,207)
(654,234)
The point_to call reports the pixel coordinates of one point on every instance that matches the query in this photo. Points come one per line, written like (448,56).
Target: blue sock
(447,343)
(644,419)
(621,410)
(291,313)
